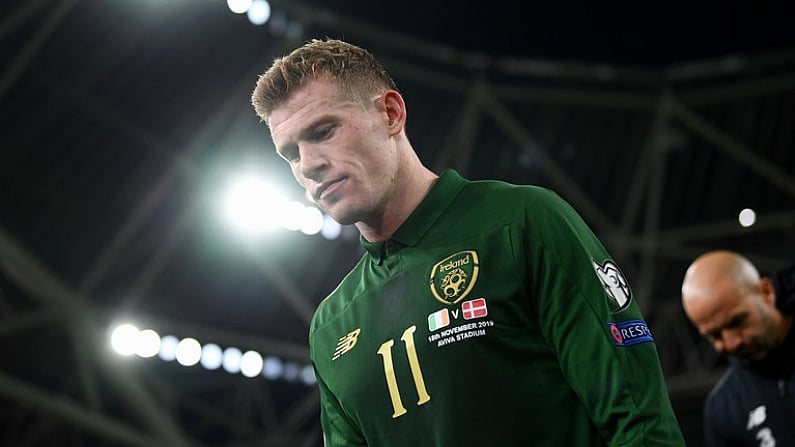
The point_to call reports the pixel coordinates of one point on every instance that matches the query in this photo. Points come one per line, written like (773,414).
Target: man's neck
(408,197)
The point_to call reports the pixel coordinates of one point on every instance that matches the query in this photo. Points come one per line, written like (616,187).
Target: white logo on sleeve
(614,283)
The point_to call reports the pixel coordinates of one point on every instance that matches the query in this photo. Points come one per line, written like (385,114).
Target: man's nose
(730,341)
(312,164)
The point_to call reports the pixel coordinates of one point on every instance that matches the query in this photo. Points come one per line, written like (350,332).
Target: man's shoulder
(506,187)
(496,192)
(726,391)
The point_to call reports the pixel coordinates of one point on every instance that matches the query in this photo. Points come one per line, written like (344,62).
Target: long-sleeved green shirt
(493,317)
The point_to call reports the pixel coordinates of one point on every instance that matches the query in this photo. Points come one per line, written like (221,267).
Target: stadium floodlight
(127,339)
(308,375)
(292,216)
(291,372)
(212,356)
(189,351)
(231,361)
(259,12)
(331,229)
(252,206)
(747,217)
(272,368)
(148,343)
(311,220)
(251,364)
(238,6)
(124,339)
(168,348)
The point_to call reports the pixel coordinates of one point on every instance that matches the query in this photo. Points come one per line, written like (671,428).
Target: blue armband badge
(628,333)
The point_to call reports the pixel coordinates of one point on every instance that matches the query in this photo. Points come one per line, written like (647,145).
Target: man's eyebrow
(736,319)
(306,131)
(730,322)
(312,126)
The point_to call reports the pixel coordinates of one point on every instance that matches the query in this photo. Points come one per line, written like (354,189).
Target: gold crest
(453,277)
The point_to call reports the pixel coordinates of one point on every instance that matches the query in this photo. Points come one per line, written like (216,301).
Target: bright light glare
(127,339)
(251,364)
(747,217)
(231,361)
(331,228)
(259,12)
(168,348)
(311,220)
(253,206)
(272,368)
(148,343)
(124,339)
(211,356)
(238,6)
(291,372)
(293,214)
(308,375)
(189,351)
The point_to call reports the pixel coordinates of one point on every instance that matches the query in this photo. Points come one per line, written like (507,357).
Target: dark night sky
(638,33)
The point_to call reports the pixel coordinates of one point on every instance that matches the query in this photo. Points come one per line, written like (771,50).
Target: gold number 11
(385,351)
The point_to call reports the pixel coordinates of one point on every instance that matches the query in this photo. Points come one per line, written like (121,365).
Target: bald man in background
(738,312)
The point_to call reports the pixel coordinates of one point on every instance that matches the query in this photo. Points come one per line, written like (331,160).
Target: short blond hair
(354,68)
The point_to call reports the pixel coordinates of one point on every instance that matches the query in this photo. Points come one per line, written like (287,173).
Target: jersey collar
(423,217)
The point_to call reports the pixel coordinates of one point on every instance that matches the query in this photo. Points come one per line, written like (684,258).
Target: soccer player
(481,313)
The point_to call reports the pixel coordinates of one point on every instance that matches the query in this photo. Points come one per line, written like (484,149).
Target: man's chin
(344,215)
(341,218)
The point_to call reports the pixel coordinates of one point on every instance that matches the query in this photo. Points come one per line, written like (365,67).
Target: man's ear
(767,290)
(395,110)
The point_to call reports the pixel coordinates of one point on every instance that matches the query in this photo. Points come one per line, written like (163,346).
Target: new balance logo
(346,343)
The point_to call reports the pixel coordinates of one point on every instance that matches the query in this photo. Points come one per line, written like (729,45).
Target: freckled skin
(353,158)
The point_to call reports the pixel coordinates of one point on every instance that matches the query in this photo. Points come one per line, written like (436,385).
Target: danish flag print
(474,309)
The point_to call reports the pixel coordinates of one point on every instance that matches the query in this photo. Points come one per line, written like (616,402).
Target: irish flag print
(474,308)
(438,320)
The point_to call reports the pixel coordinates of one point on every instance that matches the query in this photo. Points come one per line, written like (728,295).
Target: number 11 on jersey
(385,351)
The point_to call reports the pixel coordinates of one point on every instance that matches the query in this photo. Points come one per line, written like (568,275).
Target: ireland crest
(453,277)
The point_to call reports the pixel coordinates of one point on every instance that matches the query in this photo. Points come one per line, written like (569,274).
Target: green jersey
(493,317)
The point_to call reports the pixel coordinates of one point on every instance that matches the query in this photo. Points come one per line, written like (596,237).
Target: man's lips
(327,188)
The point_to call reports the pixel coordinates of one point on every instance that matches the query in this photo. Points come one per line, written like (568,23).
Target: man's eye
(736,322)
(321,133)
